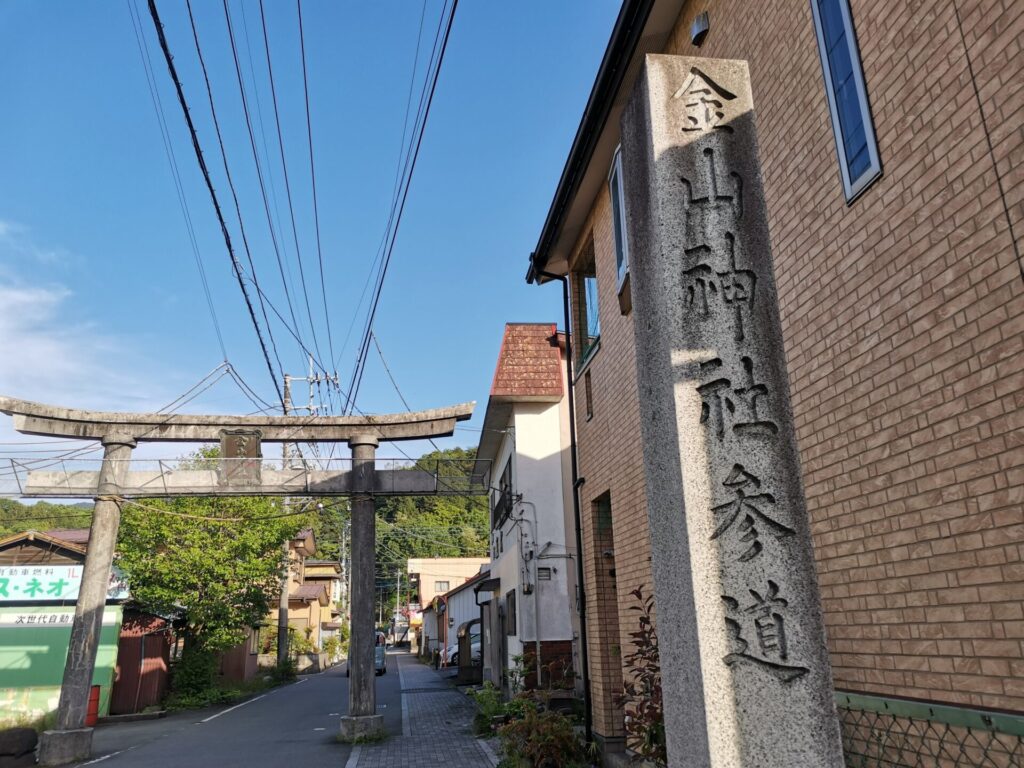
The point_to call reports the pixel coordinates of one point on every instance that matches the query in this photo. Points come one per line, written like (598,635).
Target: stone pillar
(745,669)
(362,721)
(72,741)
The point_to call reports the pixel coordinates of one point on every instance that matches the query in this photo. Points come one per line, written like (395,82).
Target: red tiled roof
(530,363)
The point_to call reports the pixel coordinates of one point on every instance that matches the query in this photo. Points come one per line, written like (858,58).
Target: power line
(398,171)
(209,185)
(361,361)
(259,170)
(312,175)
(230,179)
(158,107)
(287,183)
(394,383)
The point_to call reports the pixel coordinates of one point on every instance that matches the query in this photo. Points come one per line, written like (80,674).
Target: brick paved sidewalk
(436,726)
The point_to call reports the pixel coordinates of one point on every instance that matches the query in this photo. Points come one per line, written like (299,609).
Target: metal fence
(881,732)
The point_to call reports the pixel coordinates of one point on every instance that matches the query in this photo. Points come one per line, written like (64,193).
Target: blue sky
(100,299)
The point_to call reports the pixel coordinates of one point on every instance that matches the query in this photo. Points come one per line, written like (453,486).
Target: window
(847,98)
(511,627)
(440,587)
(619,218)
(588,392)
(588,323)
(501,499)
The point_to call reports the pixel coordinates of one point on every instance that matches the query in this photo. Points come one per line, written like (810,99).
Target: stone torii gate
(241,474)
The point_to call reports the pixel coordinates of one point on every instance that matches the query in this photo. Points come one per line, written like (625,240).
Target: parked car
(452,651)
(380,657)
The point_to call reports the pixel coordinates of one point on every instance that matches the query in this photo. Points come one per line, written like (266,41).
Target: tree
(222,575)
(16,517)
(433,526)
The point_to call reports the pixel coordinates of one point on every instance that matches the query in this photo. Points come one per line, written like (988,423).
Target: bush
(195,672)
(332,647)
(641,695)
(541,739)
(489,706)
(302,643)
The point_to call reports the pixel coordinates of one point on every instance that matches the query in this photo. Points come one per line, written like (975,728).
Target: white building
(524,451)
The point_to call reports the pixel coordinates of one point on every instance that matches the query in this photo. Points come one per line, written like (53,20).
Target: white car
(452,651)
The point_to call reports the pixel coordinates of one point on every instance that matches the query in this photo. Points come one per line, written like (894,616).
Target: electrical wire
(402,154)
(209,185)
(361,360)
(394,383)
(312,176)
(158,107)
(287,183)
(230,180)
(259,170)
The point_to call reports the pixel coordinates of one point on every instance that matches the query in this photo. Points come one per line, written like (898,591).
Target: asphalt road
(292,725)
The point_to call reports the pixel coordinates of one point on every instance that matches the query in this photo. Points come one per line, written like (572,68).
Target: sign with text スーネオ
(51,583)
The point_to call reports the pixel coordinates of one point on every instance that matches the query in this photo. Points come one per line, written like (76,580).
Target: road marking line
(353,758)
(107,757)
(319,729)
(229,709)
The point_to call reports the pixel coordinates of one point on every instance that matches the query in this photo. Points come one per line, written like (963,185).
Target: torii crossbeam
(240,438)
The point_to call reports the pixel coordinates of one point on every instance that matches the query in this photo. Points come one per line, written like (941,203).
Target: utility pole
(287,453)
(282,603)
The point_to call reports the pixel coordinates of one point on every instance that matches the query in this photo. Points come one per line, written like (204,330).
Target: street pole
(282,601)
(72,741)
(362,721)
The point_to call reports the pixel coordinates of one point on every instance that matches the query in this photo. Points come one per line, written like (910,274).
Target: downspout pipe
(577,481)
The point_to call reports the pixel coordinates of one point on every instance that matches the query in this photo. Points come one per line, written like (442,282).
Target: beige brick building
(902,303)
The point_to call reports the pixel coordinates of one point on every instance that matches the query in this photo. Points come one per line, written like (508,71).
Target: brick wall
(903,316)
(611,461)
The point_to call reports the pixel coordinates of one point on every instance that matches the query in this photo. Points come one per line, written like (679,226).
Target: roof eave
(637,31)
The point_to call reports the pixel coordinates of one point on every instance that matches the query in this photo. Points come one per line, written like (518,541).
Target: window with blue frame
(587,330)
(859,164)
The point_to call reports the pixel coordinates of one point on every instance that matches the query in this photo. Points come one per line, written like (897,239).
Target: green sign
(51,583)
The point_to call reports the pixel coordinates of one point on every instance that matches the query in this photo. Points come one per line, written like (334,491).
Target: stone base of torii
(240,474)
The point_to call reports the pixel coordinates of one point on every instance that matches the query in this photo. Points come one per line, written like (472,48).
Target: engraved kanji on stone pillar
(745,670)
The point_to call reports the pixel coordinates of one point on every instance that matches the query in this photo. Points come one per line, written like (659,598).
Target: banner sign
(52,617)
(51,583)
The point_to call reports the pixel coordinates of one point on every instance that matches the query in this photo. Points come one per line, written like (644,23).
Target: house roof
(49,539)
(310,592)
(529,364)
(467,584)
(642,27)
(529,369)
(73,535)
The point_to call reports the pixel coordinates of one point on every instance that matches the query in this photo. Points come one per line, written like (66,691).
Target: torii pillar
(362,721)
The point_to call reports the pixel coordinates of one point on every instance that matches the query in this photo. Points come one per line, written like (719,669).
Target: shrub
(541,739)
(332,647)
(641,692)
(195,672)
(489,706)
